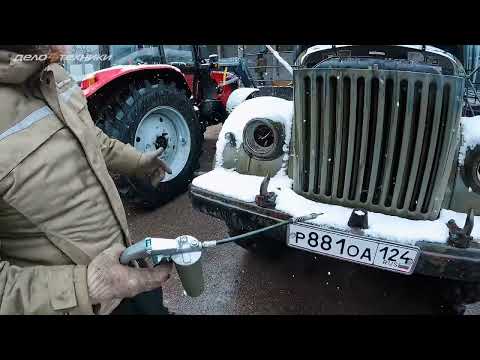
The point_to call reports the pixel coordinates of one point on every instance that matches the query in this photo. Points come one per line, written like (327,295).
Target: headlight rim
(253,149)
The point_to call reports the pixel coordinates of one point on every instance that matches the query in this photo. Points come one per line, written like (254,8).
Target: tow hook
(459,237)
(265,199)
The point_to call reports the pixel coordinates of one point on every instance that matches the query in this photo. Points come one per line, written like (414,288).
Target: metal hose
(258,231)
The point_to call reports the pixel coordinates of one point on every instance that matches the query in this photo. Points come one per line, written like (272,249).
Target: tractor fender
(238,96)
(108,77)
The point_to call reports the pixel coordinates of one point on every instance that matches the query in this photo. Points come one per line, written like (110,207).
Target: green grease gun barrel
(189,267)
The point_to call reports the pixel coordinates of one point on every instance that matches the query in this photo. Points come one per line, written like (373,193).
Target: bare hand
(153,167)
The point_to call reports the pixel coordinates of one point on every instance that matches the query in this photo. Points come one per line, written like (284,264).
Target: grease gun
(185,252)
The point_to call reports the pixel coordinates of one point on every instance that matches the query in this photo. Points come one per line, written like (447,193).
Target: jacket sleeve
(119,157)
(44,290)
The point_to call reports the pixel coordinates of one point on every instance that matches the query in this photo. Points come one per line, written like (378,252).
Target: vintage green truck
(374,141)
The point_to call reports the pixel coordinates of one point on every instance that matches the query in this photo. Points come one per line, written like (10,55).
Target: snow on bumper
(244,188)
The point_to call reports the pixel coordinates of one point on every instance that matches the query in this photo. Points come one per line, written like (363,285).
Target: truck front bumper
(436,259)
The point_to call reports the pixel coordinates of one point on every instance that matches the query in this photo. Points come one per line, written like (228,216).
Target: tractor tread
(119,118)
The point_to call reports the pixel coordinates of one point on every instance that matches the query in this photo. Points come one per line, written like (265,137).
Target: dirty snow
(269,107)
(244,187)
(471,135)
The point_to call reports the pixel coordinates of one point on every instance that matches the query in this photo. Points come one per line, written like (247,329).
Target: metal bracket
(358,219)
(265,199)
(459,237)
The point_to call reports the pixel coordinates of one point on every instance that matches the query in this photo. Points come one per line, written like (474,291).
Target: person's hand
(107,279)
(151,166)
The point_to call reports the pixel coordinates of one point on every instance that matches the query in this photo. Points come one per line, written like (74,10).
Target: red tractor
(158,96)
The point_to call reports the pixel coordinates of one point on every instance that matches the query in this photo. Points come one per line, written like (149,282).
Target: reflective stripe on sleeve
(31,119)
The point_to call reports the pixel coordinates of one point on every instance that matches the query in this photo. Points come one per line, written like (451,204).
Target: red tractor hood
(103,77)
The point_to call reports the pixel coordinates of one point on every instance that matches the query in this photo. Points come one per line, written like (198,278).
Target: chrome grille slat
(383,157)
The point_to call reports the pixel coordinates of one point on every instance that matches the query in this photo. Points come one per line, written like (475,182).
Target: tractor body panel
(106,76)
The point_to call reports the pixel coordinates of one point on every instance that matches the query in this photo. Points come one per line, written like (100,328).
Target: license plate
(358,249)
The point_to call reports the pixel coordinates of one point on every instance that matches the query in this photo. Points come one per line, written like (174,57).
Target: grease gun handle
(139,250)
(154,247)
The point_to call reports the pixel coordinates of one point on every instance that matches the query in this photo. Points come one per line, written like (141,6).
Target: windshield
(135,54)
(178,53)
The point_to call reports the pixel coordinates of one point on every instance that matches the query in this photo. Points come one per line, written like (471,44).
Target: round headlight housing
(471,169)
(263,139)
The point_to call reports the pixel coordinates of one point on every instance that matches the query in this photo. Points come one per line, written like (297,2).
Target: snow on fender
(239,96)
(471,136)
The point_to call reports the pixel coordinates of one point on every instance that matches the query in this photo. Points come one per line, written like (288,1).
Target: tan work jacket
(59,207)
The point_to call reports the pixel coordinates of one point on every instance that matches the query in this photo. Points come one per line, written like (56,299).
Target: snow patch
(471,135)
(273,108)
(244,187)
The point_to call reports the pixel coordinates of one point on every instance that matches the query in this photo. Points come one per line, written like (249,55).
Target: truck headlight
(263,139)
(471,169)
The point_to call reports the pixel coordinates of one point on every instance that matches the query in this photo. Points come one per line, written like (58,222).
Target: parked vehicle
(154,96)
(374,142)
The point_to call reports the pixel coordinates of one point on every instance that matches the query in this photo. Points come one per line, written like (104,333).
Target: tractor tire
(259,245)
(148,116)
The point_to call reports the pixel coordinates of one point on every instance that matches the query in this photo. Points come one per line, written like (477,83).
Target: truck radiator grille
(382,140)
